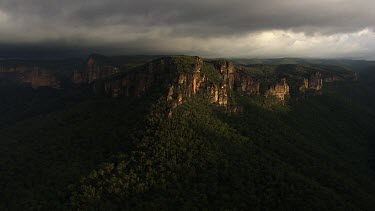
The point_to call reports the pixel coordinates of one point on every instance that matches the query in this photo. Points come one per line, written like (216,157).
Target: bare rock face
(313,82)
(185,77)
(195,82)
(14,69)
(156,74)
(279,90)
(94,70)
(79,77)
(198,82)
(43,78)
(33,75)
(316,81)
(246,85)
(15,73)
(227,71)
(179,77)
(305,85)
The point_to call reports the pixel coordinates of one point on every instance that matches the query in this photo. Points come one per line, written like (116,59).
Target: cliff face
(280,90)
(185,77)
(94,69)
(194,82)
(33,75)
(14,69)
(246,85)
(315,81)
(180,78)
(227,71)
(43,78)
(137,82)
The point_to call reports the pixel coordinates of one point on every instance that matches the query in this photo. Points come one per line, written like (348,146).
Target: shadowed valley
(165,132)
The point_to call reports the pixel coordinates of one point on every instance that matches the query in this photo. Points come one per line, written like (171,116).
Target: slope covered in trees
(309,155)
(101,153)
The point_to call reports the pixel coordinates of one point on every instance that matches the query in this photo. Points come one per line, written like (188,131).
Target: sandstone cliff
(217,80)
(94,69)
(180,78)
(315,81)
(32,75)
(246,85)
(279,90)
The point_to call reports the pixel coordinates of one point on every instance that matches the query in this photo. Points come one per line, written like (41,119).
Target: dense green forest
(67,149)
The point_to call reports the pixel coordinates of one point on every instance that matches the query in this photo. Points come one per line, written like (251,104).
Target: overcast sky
(211,28)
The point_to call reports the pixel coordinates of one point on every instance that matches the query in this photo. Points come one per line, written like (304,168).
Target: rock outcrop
(315,81)
(181,78)
(280,90)
(184,77)
(94,69)
(193,82)
(32,75)
(42,78)
(246,85)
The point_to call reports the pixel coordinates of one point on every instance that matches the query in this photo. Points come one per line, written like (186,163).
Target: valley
(164,132)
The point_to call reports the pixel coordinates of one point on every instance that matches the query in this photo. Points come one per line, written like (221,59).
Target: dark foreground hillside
(97,153)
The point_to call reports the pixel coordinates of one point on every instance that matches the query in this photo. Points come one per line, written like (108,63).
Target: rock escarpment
(94,69)
(315,81)
(180,78)
(217,80)
(215,85)
(43,78)
(247,85)
(33,75)
(280,90)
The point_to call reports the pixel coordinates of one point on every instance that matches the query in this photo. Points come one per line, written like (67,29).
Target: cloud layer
(216,28)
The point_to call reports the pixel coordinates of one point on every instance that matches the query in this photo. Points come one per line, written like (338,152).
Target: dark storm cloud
(147,25)
(205,16)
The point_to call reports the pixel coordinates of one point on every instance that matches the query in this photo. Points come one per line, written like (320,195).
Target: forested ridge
(89,152)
